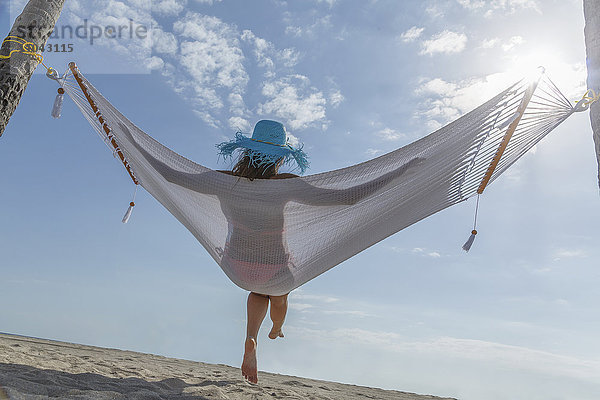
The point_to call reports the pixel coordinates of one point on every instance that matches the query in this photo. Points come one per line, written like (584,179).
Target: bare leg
(257,309)
(279,307)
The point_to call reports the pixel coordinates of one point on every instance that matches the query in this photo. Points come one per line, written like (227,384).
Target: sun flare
(569,77)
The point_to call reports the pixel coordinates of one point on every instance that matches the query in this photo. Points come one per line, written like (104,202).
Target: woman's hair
(246,169)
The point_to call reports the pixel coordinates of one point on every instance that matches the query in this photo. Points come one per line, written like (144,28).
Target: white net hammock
(271,236)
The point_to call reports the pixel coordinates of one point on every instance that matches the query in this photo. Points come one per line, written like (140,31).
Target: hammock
(271,236)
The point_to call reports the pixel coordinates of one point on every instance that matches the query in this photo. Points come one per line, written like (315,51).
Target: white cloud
(440,110)
(292,140)
(168,7)
(471,4)
(490,43)
(322,304)
(412,34)
(211,66)
(301,295)
(491,7)
(570,253)
(515,356)
(507,46)
(390,134)
(372,152)
(262,49)
(135,52)
(422,251)
(239,124)
(434,11)
(267,56)
(236,103)
(294,30)
(512,43)
(328,2)
(294,100)
(533,301)
(156,63)
(445,101)
(506,356)
(512,6)
(210,51)
(207,61)
(289,57)
(300,306)
(309,30)
(439,86)
(433,125)
(164,42)
(447,42)
(336,98)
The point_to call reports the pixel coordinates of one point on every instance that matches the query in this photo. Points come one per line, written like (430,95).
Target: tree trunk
(591,10)
(35,24)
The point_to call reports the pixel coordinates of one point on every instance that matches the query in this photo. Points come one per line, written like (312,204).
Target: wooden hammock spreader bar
(103,123)
(509,132)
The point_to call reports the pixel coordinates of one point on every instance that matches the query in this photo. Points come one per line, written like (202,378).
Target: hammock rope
(271,236)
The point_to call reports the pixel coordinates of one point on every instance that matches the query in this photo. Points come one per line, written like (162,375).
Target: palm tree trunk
(35,24)
(591,9)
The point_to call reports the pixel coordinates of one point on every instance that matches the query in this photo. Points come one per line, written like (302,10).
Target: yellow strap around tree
(28,48)
(590,97)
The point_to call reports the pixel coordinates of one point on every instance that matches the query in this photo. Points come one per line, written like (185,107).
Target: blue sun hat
(267,145)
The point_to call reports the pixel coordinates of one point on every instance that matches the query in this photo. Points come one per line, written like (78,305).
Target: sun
(570,78)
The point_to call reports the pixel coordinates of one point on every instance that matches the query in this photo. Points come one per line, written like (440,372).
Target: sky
(515,318)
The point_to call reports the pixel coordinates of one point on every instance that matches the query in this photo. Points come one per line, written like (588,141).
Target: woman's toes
(275,334)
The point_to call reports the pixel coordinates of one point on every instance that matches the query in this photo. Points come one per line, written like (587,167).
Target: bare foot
(249,366)
(275,333)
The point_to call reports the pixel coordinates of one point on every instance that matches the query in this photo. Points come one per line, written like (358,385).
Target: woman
(262,156)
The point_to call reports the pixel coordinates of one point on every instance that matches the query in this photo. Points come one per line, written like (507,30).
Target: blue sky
(516,318)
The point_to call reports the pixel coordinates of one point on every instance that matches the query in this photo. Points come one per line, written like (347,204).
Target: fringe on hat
(263,153)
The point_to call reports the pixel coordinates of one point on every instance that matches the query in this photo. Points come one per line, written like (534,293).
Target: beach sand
(33,368)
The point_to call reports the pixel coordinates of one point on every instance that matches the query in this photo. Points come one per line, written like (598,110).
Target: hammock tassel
(58,103)
(467,246)
(130,208)
(128,213)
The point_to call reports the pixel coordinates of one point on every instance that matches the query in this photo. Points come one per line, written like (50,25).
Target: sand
(32,368)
